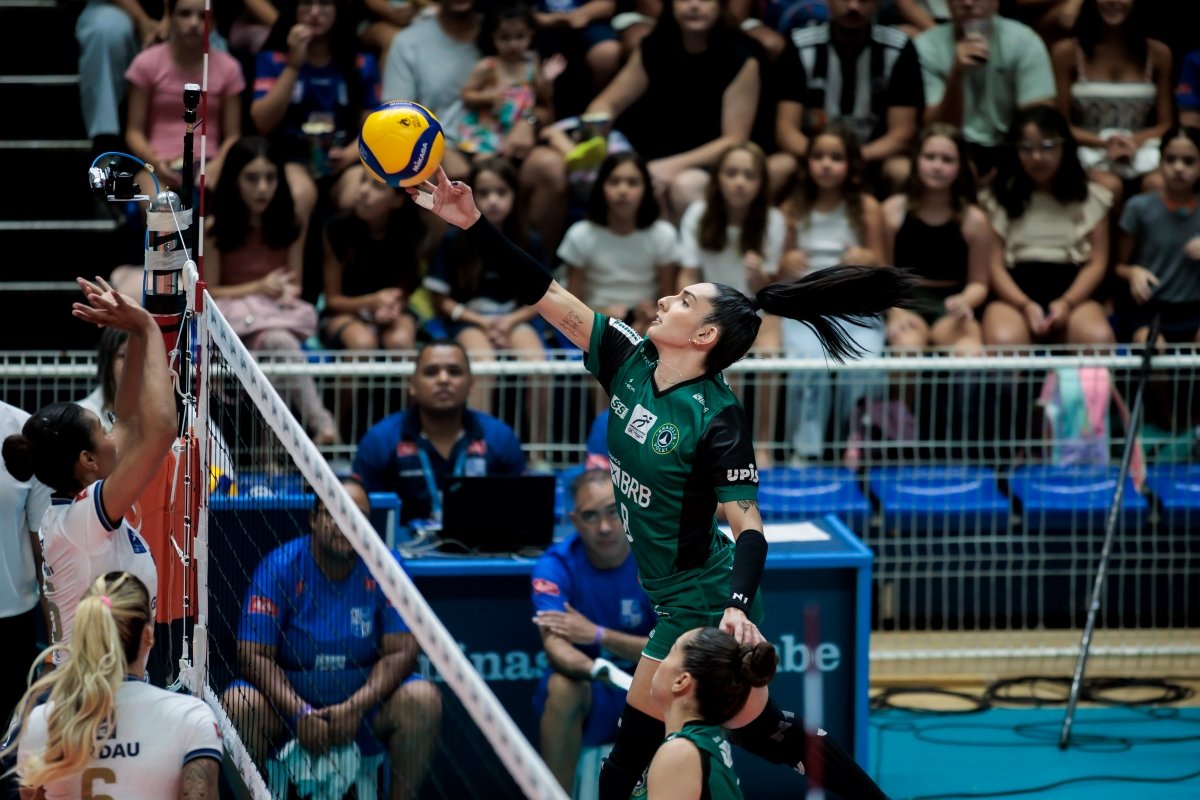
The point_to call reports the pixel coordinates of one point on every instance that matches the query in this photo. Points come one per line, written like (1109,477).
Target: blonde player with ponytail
(103,731)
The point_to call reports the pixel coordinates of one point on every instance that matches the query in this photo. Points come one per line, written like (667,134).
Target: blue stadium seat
(947,499)
(1058,498)
(790,494)
(1177,487)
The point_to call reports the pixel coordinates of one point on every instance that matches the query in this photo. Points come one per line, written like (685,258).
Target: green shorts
(692,599)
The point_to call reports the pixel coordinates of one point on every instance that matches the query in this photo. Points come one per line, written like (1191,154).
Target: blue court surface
(1119,752)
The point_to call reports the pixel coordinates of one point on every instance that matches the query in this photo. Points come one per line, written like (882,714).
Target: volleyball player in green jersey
(705,678)
(679,443)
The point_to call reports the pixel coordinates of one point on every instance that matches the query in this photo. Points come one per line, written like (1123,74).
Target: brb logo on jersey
(639,426)
(665,439)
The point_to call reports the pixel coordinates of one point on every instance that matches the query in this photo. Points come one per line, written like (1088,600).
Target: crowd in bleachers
(1013,156)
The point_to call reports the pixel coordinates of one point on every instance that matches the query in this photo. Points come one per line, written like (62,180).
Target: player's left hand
(735,623)
(569,624)
(343,722)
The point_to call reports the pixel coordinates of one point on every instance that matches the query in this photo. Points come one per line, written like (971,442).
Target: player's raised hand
(450,200)
(108,308)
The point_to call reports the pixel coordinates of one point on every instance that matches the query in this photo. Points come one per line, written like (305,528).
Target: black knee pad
(779,737)
(638,737)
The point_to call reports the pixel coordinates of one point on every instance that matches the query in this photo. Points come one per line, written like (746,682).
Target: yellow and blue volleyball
(401,143)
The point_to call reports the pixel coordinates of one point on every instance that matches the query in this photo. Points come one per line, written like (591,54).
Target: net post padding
(513,750)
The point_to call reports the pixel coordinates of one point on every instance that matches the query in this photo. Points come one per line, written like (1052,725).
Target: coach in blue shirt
(326,659)
(415,452)
(593,617)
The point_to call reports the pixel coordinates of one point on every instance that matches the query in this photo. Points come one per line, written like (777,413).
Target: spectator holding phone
(980,69)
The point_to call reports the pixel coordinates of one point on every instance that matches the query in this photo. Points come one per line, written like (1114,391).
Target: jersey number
(90,776)
(625,522)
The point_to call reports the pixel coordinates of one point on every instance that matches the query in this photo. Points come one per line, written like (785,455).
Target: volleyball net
(305,649)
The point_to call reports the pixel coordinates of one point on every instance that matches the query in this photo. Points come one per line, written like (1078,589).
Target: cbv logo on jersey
(640,424)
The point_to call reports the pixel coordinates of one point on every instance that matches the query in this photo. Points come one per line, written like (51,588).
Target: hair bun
(759,663)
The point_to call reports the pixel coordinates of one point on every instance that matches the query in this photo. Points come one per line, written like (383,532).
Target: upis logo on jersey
(745,474)
(626,331)
(619,408)
(665,439)
(641,423)
(699,398)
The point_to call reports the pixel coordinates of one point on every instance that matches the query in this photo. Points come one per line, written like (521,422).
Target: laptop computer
(497,514)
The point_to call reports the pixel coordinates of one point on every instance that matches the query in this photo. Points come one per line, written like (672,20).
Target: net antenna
(1110,529)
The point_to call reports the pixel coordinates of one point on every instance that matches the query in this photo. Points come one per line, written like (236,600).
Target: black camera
(107,180)
(191,96)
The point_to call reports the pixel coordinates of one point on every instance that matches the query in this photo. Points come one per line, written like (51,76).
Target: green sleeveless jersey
(673,455)
(716,760)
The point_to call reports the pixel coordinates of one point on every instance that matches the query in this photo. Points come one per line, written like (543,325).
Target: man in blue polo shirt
(594,619)
(325,659)
(415,452)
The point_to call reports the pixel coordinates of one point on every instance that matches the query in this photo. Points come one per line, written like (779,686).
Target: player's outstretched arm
(453,202)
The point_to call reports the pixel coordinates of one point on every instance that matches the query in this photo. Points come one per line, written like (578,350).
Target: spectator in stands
(594,619)
(510,84)
(22,505)
(850,69)
(979,71)
(706,679)
(696,83)
(255,266)
(1118,113)
(415,452)
(937,232)
(1052,19)
(325,658)
(832,219)
(383,19)
(582,32)
(169,745)
(735,237)
(312,91)
(1053,243)
(97,476)
(110,34)
(622,256)
(154,122)
(476,307)
(1159,245)
(1187,91)
(372,267)
(430,61)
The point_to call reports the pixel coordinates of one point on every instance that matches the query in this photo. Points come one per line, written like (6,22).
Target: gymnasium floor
(1141,742)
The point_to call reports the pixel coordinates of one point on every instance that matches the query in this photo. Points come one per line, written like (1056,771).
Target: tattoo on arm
(746,505)
(572,323)
(199,779)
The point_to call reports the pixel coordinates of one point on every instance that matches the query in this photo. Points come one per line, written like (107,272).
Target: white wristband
(457,312)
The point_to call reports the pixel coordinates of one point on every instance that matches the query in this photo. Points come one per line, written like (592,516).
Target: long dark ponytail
(825,301)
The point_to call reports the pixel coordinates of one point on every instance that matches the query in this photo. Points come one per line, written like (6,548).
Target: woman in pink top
(154,126)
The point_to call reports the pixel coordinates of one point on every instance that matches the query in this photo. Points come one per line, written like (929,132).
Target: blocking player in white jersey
(96,476)
(119,737)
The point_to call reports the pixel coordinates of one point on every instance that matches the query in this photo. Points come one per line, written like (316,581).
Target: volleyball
(401,143)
